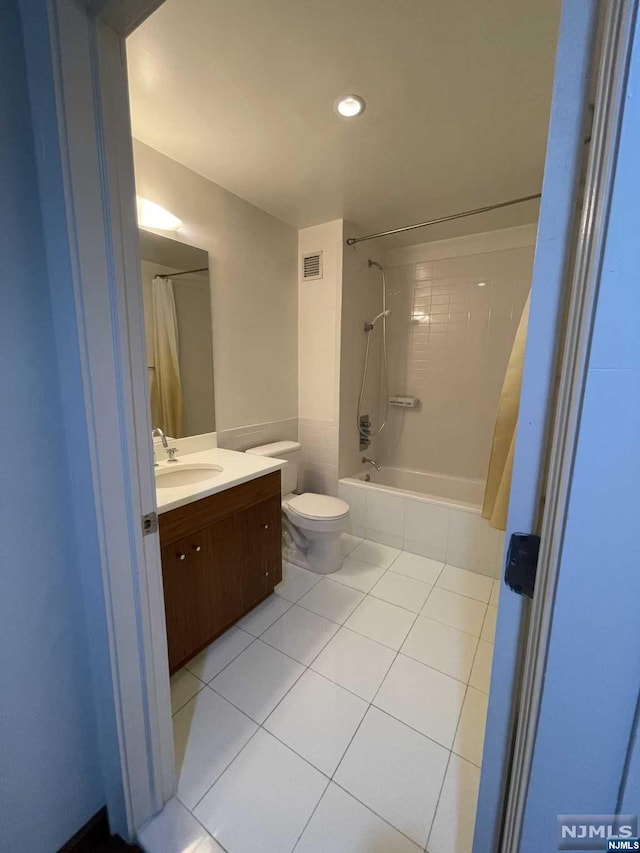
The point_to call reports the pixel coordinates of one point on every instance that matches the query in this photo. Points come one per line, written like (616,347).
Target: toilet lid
(309,505)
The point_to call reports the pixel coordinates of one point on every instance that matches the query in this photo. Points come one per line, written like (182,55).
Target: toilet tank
(289,450)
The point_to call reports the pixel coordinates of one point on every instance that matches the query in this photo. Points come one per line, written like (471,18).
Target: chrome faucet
(371,462)
(157,432)
(171,451)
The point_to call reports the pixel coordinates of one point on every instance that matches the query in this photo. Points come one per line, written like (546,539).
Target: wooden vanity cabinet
(221,556)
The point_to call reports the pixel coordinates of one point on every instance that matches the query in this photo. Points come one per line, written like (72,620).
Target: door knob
(197,548)
(182,556)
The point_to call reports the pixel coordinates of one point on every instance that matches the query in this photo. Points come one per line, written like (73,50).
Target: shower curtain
(498,486)
(166,386)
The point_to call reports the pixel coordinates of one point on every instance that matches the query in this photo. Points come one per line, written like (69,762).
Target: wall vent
(312,266)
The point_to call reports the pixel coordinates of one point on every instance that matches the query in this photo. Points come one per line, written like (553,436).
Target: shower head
(375,264)
(368,327)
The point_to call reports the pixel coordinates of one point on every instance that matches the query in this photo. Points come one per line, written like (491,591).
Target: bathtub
(433,515)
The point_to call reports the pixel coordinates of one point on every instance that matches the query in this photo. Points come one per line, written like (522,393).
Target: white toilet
(312,523)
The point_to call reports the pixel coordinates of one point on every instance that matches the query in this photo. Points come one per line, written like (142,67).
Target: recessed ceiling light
(151,215)
(482,284)
(350,106)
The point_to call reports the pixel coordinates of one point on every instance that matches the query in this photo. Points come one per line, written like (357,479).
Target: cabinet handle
(182,556)
(266,574)
(266,526)
(197,548)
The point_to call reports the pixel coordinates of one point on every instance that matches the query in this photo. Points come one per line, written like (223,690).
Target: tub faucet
(371,462)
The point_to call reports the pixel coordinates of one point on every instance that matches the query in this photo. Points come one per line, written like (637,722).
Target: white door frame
(77,79)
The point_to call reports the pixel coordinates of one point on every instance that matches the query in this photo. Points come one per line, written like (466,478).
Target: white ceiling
(457,94)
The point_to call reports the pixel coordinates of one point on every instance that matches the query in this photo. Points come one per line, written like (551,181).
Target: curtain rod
(353,240)
(186,272)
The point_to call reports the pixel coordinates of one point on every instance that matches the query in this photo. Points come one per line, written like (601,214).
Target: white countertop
(236,468)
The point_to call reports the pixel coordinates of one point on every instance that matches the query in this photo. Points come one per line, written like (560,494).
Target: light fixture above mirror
(152,215)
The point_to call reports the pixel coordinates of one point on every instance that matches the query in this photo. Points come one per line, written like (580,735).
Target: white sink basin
(186,474)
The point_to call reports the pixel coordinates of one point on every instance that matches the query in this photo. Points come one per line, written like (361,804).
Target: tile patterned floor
(345,713)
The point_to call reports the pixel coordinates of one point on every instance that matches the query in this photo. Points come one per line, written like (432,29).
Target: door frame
(76,66)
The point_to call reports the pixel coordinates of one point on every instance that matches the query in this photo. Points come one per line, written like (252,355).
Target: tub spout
(370,462)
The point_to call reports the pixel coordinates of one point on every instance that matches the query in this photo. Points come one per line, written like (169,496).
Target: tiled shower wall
(455,308)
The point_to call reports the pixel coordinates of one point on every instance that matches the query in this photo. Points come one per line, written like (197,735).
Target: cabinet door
(262,550)
(202,587)
(185,608)
(221,582)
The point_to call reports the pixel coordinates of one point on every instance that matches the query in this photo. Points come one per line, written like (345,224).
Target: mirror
(178,330)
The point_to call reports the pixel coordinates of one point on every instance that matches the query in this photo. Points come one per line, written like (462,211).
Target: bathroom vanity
(221,548)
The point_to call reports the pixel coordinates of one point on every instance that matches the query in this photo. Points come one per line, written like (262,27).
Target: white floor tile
(175,830)
(380,621)
(222,651)
(264,799)
(184,686)
(348,542)
(470,735)
(341,824)
(417,567)
(334,601)
(357,574)
(465,582)
(481,672)
(489,626)
(401,590)
(423,698)
(495,593)
(452,830)
(375,553)
(295,582)
(300,634)
(355,662)
(396,772)
(257,680)
(208,733)
(460,612)
(265,614)
(317,719)
(442,647)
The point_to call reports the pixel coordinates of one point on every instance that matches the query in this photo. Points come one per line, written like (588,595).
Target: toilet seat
(314,507)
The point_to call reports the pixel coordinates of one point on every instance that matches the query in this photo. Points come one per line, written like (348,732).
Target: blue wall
(50,775)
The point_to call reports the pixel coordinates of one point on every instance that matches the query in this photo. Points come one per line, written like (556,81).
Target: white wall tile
(385,512)
(357,499)
(425,528)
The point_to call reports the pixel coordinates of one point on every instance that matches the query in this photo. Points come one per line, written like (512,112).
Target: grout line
(435,811)
(227,766)
(455,734)
(374,812)
(315,808)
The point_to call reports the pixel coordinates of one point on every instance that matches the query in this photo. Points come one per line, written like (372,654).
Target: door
(566,265)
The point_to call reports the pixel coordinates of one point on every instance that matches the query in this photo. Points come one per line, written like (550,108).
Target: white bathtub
(440,487)
(428,514)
